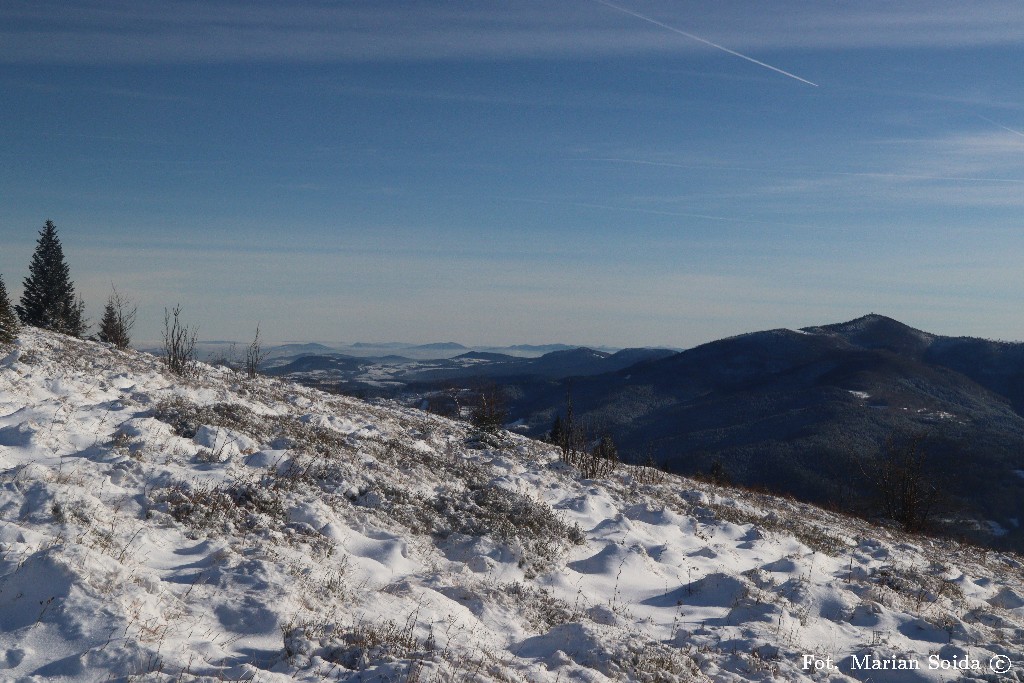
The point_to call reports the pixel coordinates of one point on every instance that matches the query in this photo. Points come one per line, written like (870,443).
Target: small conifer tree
(118,320)
(48,300)
(557,432)
(9,326)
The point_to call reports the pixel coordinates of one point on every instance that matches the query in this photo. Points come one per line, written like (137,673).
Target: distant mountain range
(226,350)
(432,351)
(379,375)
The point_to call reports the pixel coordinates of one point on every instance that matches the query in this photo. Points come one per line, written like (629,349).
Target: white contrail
(999,125)
(702,40)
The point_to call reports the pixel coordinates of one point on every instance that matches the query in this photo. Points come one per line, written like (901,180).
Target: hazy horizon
(399,344)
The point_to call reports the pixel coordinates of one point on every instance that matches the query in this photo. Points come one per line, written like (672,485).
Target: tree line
(49,301)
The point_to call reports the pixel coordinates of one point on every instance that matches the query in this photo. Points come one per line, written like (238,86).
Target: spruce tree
(9,326)
(48,300)
(118,320)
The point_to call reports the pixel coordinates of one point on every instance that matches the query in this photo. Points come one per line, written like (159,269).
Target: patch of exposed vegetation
(185,418)
(537,606)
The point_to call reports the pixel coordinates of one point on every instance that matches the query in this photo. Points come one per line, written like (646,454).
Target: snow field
(153,528)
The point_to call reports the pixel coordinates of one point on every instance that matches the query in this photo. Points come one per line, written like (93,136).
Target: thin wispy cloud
(671,214)
(888,175)
(90,31)
(969,155)
(969,170)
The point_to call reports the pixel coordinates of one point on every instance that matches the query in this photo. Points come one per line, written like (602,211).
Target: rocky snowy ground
(220,528)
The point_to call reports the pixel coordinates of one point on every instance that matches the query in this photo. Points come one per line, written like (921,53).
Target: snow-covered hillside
(221,528)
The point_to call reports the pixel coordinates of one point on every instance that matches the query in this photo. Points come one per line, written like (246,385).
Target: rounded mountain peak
(874,331)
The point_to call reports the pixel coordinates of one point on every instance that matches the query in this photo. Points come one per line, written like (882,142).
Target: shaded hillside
(998,366)
(803,412)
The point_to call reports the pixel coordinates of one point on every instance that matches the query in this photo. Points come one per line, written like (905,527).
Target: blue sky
(507,172)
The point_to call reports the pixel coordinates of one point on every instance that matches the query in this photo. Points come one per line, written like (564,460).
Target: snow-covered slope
(221,528)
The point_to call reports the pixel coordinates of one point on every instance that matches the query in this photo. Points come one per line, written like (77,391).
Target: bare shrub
(598,460)
(225,357)
(904,484)
(601,460)
(254,355)
(512,517)
(308,438)
(179,344)
(409,508)
(538,607)
(489,414)
(531,528)
(656,662)
(815,536)
(446,402)
(646,469)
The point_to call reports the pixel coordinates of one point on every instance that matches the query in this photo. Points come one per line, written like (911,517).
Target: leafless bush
(657,663)
(905,487)
(179,344)
(409,508)
(649,470)
(593,462)
(254,355)
(237,506)
(446,403)
(226,358)
(600,460)
(489,414)
(814,535)
(536,533)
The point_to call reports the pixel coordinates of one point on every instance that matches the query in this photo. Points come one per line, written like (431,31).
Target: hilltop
(805,412)
(220,528)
